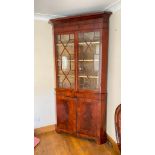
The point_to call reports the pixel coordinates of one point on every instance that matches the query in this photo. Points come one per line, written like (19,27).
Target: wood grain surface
(52,143)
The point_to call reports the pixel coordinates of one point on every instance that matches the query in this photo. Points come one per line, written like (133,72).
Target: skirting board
(114,144)
(44,129)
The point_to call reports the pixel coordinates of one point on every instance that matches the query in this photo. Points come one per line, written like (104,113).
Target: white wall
(114,71)
(44,99)
(44,74)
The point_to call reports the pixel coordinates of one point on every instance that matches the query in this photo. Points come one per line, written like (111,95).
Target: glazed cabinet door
(87,117)
(89,57)
(65,61)
(66,114)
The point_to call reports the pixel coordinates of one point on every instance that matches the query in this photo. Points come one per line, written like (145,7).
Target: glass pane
(65,60)
(88,60)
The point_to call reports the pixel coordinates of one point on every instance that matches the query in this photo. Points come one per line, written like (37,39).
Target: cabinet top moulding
(79,18)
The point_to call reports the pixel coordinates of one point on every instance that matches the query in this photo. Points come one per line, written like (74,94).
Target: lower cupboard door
(87,115)
(66,114)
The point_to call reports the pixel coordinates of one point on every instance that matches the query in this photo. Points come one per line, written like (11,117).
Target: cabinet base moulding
(97,140)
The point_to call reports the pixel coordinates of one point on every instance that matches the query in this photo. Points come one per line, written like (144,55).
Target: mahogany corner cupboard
(81,54)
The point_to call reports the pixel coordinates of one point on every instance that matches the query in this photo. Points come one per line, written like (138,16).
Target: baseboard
(114,144)
(44,129)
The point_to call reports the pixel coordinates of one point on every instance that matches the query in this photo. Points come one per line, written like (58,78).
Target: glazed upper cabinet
(89,50)
(81,49)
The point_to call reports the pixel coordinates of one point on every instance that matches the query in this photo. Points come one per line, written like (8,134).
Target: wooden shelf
(80,43)
(90,77)
(68,44)
(67,75)
(67,60)
(93,42)
(81,76)
(90,60)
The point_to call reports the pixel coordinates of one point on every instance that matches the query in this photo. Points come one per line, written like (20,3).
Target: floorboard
(52,143)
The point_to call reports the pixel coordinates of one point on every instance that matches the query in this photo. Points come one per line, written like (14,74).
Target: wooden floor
(52,143)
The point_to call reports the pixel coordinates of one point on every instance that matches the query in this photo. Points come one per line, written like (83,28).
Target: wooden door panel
(87,115)
(66,114)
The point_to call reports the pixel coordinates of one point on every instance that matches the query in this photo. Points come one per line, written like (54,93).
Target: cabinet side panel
(104,60)
(101,125)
